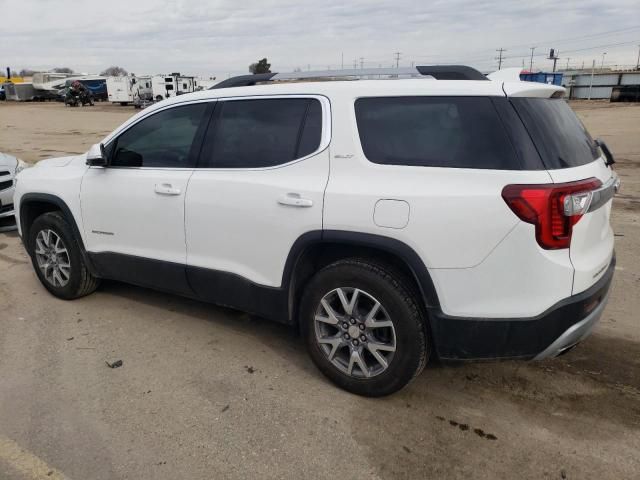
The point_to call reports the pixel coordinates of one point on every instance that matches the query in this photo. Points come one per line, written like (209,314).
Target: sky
(221,37)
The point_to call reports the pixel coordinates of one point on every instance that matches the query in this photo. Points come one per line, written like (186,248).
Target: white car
(390,220)
(9,167)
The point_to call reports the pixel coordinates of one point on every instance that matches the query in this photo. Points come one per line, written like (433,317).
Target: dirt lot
(206,392)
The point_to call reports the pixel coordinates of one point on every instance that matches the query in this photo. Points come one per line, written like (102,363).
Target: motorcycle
(78,94)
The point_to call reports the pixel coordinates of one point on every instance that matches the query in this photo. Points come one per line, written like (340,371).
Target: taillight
(553,208)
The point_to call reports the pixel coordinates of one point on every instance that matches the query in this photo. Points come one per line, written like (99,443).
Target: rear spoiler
(514,87)
(532,89)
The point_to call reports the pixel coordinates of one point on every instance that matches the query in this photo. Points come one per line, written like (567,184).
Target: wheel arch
(32,205)
(314,250)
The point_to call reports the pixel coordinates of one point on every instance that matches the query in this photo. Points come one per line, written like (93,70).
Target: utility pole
(531,61)
(342,60)
(602,63)
(638,61)
(568,63)
(500,57)
(397,55)
(361,63)
(355,63)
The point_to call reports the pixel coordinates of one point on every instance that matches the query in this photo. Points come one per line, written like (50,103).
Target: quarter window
(460,132)
(263,133)
(161,140)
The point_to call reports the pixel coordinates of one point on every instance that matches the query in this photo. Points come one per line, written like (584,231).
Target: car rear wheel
(57,258)
(363,327)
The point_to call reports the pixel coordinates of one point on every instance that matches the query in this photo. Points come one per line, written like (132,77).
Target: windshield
(559,136)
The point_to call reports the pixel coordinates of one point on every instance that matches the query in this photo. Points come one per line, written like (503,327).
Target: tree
(25,72)
(114,71)
(62,70)
(261,67)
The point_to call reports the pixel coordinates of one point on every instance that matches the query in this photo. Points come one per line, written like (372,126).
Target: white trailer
(165,86)
(130,89)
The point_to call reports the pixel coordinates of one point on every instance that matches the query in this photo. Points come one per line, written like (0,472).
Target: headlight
(21,166)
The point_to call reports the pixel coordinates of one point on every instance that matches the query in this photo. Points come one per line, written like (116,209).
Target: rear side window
(263,133)
(459,132)
(560,137)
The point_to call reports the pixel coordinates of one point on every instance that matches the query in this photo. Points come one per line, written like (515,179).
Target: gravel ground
(206,392)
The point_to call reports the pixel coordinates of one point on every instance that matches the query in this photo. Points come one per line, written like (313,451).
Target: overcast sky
(221,37)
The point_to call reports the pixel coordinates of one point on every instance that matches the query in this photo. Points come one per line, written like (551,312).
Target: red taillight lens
(545,207)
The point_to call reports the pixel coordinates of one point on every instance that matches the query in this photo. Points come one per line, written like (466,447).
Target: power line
(519,56)
(582,37)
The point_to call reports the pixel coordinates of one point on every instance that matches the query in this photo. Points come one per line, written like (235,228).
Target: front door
(133,210)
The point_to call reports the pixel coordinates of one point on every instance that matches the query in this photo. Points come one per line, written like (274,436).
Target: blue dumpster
(542,77)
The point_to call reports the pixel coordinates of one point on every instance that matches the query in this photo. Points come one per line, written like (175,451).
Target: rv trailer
(165,86)
(130,89)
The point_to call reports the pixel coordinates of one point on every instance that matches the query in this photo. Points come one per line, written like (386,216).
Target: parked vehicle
(130,89)
(47,85)
(19,92)
(9,167)
(167,86)
(2,93)
(76,93)
(390,220)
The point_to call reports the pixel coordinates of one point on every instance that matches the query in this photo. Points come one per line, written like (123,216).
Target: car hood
(59,161)
(8,161)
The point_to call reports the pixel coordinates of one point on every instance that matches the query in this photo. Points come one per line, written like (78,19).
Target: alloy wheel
(355,332)
(53,258)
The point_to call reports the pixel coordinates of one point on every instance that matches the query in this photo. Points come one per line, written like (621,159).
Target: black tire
(400,301)
(80,282)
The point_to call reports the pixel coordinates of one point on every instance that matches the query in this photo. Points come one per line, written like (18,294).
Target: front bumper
(7,213)
(547,335)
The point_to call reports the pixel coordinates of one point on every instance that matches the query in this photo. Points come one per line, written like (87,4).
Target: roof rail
(451,72)
(438,72)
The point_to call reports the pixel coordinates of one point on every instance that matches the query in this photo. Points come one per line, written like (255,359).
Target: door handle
(294,200)
(166,189)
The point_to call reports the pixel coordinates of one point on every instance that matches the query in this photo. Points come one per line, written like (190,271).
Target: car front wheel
(57,257)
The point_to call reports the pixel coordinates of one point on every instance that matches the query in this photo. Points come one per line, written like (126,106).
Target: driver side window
(162,140)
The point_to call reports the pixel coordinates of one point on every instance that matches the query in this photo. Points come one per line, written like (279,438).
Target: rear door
(259,186)
(570,154)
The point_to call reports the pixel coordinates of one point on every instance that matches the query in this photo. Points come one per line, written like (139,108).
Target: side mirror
(96,156)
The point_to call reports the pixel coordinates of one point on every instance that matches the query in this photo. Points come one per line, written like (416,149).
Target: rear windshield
(459,132)
(558,134)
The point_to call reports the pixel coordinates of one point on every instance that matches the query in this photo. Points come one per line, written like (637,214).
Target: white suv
(390,220)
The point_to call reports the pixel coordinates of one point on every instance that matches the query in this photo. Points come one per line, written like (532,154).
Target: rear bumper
(546,335)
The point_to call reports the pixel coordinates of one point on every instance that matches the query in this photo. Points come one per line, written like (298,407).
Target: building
(614,86)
